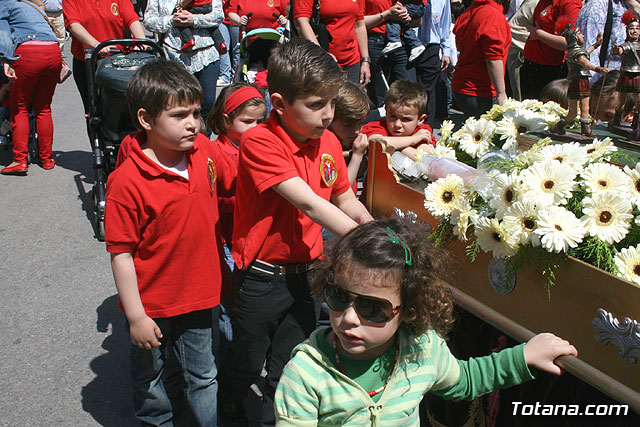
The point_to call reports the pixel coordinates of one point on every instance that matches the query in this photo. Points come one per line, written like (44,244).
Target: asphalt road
(64,355)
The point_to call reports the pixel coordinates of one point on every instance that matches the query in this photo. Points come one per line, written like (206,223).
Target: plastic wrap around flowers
(544,204)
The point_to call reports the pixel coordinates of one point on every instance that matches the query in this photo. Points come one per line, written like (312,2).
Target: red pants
(37,71)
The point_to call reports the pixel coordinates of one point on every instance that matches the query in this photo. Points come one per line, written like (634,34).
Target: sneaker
(222,82)
(416,52)
(391,46)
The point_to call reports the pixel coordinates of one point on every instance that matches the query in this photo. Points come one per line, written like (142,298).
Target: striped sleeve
(446,365)
(296,398)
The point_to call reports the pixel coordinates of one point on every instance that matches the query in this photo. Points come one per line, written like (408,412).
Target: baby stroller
(108,120)
(255,48)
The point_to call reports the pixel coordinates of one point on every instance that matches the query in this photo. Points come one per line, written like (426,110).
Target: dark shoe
(617,119)
(232,415)
(559,127)
(17,169)
(188,45)
(48,164)
(585,129)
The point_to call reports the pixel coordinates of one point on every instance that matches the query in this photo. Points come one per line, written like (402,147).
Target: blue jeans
(394,68)
(234,46)
(410,35)
(190,336)
(208,78)
(225,60)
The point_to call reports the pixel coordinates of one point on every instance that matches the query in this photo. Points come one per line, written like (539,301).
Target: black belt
(265,267)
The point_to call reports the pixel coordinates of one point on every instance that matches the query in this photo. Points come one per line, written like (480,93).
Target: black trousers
(271,314)
(534,77)
(428,73)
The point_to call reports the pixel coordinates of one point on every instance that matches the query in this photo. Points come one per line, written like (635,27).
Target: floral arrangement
(540,206)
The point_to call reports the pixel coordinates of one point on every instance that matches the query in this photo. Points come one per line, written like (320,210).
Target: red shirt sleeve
(303,8)
(491,38)
(569,9)
(129,15)
(71,11)
(360,10)
(379,127)
(233,6)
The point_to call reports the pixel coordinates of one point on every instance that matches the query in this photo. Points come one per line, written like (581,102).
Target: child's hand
(421,136)
(360,144)
(602,70)
(543,349)
(145,333)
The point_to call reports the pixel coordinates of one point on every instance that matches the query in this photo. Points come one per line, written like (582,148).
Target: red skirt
(628,82)
(578,88)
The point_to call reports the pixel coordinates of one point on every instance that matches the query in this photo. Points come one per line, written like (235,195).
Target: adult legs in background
(427,72)
(394,67)
(225,60)
(533,77)
(80,77)
(353,73)
(473,106)
(515,61)
(234,47)
(208,78)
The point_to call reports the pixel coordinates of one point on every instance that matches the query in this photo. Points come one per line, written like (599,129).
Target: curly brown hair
(369,250)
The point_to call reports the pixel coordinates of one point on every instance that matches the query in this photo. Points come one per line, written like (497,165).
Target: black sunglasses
(372,309)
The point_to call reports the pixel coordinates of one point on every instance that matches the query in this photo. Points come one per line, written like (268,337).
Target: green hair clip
(396,239)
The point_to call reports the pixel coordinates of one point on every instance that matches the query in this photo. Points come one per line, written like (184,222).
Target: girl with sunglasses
(385,349)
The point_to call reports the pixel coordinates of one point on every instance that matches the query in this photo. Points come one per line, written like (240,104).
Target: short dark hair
(369,252)
(216,120)
(299,67)
(556,91)
(406,92)
(352,104)
(160,84)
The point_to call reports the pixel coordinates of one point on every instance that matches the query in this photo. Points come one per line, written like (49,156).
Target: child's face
(249,117)
(358,337)
(175,128)
(346,131)
(307,116)
(402,120)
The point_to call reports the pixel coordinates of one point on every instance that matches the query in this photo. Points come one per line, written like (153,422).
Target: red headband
(239,97)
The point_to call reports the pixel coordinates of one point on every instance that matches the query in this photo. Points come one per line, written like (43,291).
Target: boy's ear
(144,118)
(422,118)
(278,102)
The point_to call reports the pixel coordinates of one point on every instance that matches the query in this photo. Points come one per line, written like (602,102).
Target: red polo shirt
(170,226)
(482,33)
(340,17)
(379,127)
(266,226)
(227,204)
(545,16)
(104,19)
(263,11)
(375,7)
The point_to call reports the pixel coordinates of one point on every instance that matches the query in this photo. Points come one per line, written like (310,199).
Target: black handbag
(318,27)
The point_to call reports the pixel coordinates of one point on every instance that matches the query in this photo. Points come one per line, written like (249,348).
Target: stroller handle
(92,55)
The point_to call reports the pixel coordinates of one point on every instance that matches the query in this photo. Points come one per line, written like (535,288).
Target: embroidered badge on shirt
(328,170)
(114,9)
(270,3)
(213,174)
(546,11)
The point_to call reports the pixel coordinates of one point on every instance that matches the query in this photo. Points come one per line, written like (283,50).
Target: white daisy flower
(521,220)
(445,131)
(491,236)
(628,263)
(558,229)
(516,122)
(476,137)
(495,113)
(634,185)
(599,149)
(505,192)
(548,183)
(553,108)
(444,196)
(461,219)
(437,151)
(603,177)
(511,104)
(572,154)
(607,216)
(531,104)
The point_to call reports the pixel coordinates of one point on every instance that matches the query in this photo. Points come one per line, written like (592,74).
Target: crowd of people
(218,210)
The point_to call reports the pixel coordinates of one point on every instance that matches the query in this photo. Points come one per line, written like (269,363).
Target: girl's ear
(226,120)
(144,118)
(278,102)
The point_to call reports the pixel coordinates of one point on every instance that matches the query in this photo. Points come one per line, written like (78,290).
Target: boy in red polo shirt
(163,233)
(403,127)
(292,181)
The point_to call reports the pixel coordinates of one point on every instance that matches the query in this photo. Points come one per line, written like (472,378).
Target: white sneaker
(391,46)
(222,82)
(416,52)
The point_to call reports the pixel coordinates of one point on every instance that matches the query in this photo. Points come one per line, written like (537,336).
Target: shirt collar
(145,163)
(292,144)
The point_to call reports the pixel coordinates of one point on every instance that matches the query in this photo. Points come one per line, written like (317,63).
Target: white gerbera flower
(604,177)
(553,108)
(634,184)
(548,183)
(521,220)
(599,149)
(558,229)
(505,192)
(495,113)
(607,216)
(516,122)
(437,151)
(492,236)
(531,104)
(444,196)
(476,137)
(628,263)
(511,104)
(445,131)
(461,219)
(572,154)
